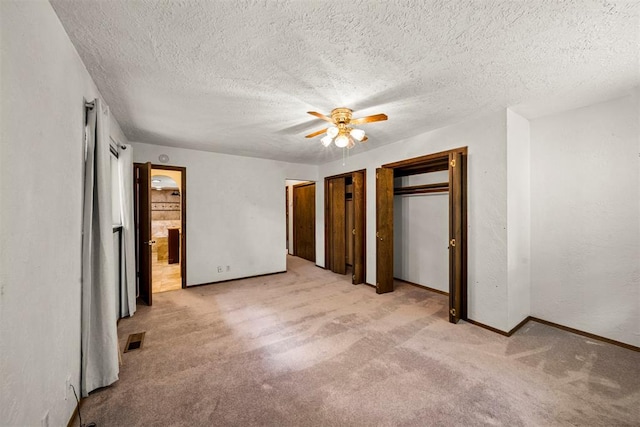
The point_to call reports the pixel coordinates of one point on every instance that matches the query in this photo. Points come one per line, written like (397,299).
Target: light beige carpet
(308,348)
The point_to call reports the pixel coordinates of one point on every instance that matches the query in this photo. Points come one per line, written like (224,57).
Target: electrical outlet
(67,387)
(44,422)
(228,268)
(219,269)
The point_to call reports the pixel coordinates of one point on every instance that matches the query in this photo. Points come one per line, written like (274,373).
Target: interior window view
(457,242)
(166,222)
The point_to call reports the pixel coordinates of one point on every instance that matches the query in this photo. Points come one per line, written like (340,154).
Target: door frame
(445,161)
(363,231)
(183,217)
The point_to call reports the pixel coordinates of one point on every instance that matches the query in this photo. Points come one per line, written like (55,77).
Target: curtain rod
(90,105)
(124,147)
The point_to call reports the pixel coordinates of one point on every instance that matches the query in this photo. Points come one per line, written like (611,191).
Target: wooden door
(286,210)
(304,221)
(348,228)
(456,243)
(358,233)
(384,230)
(336,221)
(144,242)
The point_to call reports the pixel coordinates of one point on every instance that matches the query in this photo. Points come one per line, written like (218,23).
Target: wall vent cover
(134,342)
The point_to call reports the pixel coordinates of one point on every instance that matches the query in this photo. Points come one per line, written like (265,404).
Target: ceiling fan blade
(320,132)
(320,116)
(369,119)
(364,139)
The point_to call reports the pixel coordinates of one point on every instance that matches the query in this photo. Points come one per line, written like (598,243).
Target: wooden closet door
(304,221)
(358,233)
(455,237)
(337,243)
(384,230)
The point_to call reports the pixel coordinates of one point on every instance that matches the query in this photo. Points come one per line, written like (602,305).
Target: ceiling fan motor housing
(341,115)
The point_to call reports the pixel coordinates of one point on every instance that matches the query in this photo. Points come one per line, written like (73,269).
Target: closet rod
(426,191)
(423,189)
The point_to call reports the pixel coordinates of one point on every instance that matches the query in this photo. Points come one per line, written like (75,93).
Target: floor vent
(134,342)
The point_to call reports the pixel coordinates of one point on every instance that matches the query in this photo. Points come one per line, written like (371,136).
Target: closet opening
(421,206)
(345,224)
(421,231)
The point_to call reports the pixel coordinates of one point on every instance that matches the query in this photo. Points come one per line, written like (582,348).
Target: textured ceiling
(238,76)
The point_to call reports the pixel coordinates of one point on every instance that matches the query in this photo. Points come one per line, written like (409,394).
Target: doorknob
(151,242)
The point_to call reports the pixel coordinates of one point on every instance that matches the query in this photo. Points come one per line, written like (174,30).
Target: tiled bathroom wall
(165,211)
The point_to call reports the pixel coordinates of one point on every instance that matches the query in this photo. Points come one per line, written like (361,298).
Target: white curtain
(99,332)
(128,292)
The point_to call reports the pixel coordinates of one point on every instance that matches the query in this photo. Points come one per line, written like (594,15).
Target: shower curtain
(99,337)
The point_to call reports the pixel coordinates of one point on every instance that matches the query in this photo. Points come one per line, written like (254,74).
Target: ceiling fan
(341,132)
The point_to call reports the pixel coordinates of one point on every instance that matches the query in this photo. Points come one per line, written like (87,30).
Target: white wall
(487,205)
(518,218)
(421,233)
(585,210)
(43,85)
(235,214)
(585,226)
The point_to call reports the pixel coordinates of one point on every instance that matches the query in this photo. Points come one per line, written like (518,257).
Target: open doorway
(160,217)
(345,217)
(300,215)
(166,229)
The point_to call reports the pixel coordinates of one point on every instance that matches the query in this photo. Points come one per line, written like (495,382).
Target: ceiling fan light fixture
(332,131)
(340,130)
(341,141)
(357,134)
